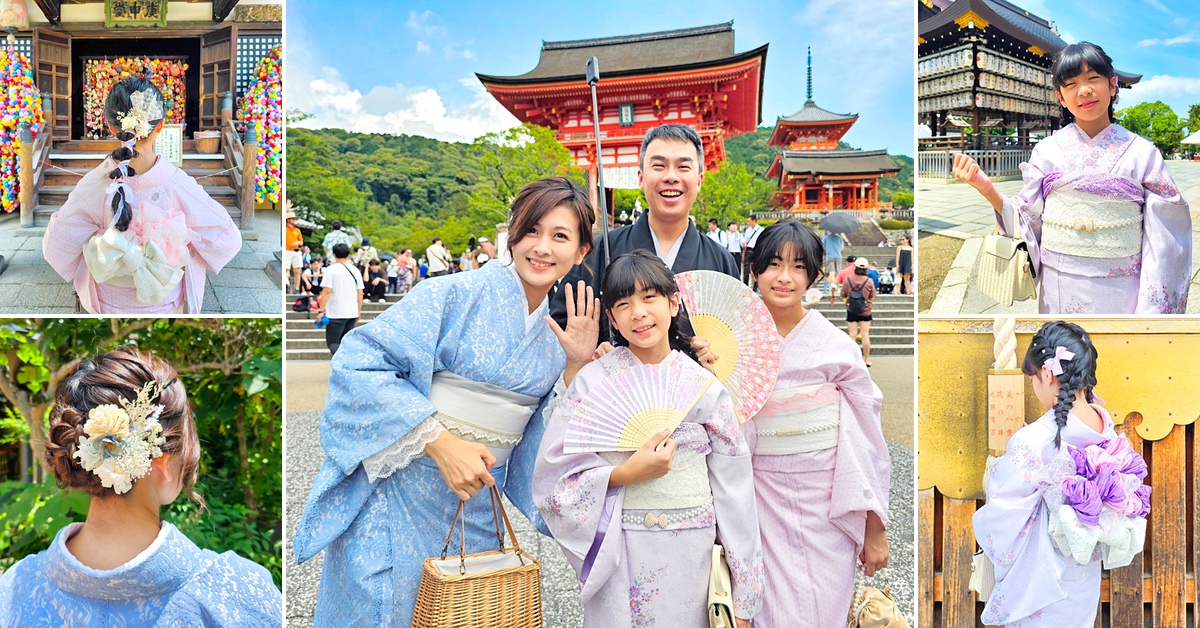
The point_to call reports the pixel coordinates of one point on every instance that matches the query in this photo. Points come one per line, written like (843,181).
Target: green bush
(895,225)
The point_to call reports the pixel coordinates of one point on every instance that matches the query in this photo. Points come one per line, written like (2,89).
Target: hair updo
(1078,373)
(106,379)
(118,103)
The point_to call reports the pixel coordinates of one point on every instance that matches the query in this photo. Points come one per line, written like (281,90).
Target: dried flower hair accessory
(118,442)
(144,108)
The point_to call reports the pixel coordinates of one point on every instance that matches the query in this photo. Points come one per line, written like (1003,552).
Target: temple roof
(837,162)
(633,54)
(812,113)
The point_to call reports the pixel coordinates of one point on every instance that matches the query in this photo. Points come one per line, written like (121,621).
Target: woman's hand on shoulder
(465,466)
(704,353)
(651,461)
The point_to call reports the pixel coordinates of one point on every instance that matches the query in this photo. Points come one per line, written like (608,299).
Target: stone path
(30,286)
(306,392)
(957,210)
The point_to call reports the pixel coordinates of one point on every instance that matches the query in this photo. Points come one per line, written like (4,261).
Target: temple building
(690,76)
(984,82)
(813,173)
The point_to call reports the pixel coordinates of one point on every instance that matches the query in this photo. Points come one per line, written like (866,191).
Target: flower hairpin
(118,442)
(144,108)
(1055,363)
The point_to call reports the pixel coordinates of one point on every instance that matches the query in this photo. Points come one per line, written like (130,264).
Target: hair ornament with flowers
(118,443)
(145,107)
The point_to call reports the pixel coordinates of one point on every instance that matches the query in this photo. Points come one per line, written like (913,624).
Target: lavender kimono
(379,506)
(820,465)
(1036,584)
(1108,231)
(643,552)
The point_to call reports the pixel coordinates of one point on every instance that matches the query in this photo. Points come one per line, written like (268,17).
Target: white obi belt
(481,413)
(798,420)
(1093,216)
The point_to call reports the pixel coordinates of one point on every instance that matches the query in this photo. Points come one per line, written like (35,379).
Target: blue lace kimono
(378,523)
(171,583)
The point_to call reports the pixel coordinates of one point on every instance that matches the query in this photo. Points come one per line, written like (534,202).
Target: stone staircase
(78,157)
(882,256)
(893,321)
(303,341)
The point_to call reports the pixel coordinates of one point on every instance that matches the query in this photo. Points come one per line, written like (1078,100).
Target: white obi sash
(116,259)
(1086,224)
(798,420)
(681,495)
(481,413)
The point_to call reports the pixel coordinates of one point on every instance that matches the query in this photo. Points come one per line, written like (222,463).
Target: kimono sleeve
(1166,244)
(862,465)
(80,218)
(518,483)
(731,477)
(216,240)
(1021,215)
(1011,528)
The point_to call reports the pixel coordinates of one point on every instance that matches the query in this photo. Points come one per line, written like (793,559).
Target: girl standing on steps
(1107,229)
(137,234)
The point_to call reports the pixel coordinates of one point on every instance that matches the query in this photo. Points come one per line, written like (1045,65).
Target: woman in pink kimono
(139,244)
(1034,528)
(639,528)
(822,471)
(1107,229)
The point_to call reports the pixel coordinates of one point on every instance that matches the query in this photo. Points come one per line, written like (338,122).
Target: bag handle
(498,512)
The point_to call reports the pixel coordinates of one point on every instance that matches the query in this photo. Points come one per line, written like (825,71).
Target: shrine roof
(839,161)
(812,113)
(627,55)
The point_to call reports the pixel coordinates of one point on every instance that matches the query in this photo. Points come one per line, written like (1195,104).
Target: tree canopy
(1156,122)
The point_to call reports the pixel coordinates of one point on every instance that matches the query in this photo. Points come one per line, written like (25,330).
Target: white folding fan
(622,412)
(740,330)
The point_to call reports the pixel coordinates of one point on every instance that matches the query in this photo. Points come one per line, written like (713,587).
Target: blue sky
(1159,39)
(408,67)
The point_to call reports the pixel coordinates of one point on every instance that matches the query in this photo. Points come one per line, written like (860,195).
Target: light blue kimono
(171,583)
(377,533)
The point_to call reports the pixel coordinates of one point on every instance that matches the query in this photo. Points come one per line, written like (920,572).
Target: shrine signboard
(135,13)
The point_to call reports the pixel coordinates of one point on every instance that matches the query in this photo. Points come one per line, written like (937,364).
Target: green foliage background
(402,190)
(232,370)
(1155,121)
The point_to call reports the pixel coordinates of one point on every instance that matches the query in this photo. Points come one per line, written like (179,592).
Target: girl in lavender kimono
(639,528)
(137,234)
(1107,229)
(1020,528)
(435,399)
(822,472)
(122,429)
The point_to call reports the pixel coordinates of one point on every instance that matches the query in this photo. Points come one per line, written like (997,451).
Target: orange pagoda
(690,76)
(813,173)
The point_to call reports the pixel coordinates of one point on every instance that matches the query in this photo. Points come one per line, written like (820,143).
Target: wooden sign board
(1006,408)
(135,13)
(169,143)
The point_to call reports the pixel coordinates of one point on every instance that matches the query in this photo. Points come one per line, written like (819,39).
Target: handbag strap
(498,513)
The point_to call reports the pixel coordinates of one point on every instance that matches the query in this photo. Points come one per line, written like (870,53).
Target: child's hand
(651,461)
(965,169)
(465,466)
(741,623)
(602,350)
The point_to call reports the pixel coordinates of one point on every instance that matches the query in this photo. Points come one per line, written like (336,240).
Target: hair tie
(1055,363)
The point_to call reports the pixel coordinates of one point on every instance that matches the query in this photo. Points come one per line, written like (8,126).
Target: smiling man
(670,173)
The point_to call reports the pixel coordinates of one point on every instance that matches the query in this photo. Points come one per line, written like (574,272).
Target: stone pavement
(957,210)
(30,286)
(305,395)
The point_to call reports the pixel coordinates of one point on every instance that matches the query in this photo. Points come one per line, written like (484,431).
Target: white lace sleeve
(397,455)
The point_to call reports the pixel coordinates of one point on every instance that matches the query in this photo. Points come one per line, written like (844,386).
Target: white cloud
(397,109)
(422,47)
(1177,91)
(1068,37)
(420,23)
(1189,38)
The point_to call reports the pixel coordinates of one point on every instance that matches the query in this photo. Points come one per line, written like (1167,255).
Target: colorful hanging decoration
(100,75)
(20,103)
(262,109)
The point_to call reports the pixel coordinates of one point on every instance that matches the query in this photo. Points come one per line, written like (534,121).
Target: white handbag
(983,576)
(720,591)
(1005,270)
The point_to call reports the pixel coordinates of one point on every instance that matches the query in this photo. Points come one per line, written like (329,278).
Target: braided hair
(1078,373)
(642,270)
(118,103)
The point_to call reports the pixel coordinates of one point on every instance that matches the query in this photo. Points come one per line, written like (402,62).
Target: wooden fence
(1137,370)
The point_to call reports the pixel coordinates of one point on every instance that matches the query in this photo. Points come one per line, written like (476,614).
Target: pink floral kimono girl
(139,243)
(1066,496)
(639,528)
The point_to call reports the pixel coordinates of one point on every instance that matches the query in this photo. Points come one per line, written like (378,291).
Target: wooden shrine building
(690,76)
(984,82)
(814,174)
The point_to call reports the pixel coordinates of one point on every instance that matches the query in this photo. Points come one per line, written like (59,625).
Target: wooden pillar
(226,110)
(48,115)
(249,168)
(25,176)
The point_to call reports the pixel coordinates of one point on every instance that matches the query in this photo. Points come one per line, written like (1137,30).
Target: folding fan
(739,329)
(622,412)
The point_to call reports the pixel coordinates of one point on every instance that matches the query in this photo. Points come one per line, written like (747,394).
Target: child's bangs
(635,272)
(1074,59)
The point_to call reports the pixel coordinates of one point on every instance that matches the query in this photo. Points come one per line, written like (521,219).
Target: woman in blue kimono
(436,399)
(122,430)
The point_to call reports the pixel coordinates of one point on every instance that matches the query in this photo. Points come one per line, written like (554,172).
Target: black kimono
(695,253)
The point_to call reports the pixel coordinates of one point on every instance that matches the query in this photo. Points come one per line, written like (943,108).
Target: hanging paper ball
(261,108)
(101,74)
(20,103)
